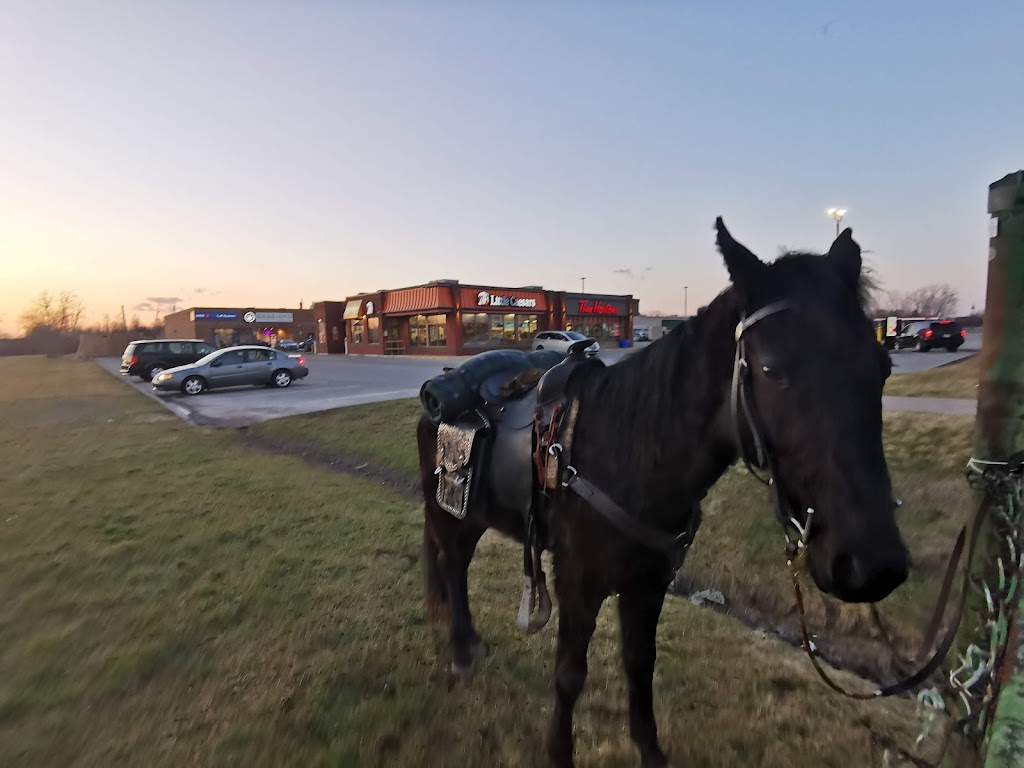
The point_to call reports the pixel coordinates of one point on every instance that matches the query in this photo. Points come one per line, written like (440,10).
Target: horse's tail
(435,594)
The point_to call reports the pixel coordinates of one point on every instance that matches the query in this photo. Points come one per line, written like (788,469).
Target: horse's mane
(657,402)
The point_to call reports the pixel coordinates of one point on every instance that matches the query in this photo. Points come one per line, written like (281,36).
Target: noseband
(744,409)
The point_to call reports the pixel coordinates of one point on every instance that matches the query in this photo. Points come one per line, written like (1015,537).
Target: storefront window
(373,330)
(357,331)
(606,329)
(427,331)
(476,330)
(225,337)
(483,329)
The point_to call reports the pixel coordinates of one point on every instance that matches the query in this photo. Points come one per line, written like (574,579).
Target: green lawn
(170,597)
(739,547)
(959,379)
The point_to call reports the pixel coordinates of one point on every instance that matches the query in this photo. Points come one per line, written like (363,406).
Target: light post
(583,285)
(837,214)
(686,309)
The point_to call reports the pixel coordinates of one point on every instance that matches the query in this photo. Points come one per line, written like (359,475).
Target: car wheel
(539,347)
(154,371)
(193,385)
(282,379)
(923,347)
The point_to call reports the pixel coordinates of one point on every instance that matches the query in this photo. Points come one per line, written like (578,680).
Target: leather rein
(745,408)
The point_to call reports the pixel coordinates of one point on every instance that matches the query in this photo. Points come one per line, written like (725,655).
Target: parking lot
(338,381)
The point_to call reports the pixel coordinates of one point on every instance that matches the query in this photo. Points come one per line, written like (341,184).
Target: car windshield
(207,358)
(575,336)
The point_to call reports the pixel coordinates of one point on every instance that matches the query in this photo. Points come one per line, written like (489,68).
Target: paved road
(333,382)
(339,380)
(953,405)
(909,361)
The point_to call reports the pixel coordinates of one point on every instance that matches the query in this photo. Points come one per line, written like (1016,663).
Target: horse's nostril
(858,581)
(845,572)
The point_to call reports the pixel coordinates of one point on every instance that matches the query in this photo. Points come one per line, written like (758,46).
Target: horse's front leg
(638,619)
(577,618)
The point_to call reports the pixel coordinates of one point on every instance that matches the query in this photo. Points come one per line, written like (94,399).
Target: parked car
(562,340)
(234,367)
(146,358)
(925,335)
(288,345)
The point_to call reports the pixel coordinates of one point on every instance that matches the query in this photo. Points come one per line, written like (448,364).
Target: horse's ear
(744,267)
(845,256)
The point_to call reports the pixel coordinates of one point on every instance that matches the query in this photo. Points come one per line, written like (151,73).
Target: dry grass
(739,547)
(959,379)
(168,597)
(381,433)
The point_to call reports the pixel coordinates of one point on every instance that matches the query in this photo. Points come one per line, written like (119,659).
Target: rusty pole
(1000,425)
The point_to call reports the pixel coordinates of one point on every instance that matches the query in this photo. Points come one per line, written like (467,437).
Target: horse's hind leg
(455,553)
(638,619)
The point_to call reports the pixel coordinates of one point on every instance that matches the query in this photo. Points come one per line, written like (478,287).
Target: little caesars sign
(485,299)
(267,317)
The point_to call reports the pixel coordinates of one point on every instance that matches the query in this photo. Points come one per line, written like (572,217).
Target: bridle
(744,409)
(764,460)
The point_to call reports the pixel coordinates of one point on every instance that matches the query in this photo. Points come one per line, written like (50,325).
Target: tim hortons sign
(596,307)
(485,299)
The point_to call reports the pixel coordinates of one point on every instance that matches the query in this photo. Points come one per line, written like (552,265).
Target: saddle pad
(454,472)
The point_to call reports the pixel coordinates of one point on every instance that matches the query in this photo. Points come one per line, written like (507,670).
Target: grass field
(170,597)
(739,546)
(959,379)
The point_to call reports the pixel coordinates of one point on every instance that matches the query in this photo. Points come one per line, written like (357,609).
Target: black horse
(656,431)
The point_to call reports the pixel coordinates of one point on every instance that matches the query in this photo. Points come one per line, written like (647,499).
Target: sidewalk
(958,406)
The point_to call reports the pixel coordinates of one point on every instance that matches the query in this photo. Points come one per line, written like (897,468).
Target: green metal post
(1000,430)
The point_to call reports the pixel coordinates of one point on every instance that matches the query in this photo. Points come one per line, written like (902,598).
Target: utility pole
(686,308)
(1000,435)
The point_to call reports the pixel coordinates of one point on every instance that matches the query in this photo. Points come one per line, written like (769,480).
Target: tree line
(61,313)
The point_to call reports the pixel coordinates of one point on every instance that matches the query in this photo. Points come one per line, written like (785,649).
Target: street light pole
(837,214)
(583,285)
(686,309)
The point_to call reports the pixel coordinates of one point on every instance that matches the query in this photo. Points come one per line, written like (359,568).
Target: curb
(182,412)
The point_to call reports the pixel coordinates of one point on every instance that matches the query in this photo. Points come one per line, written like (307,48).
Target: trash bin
(624,343)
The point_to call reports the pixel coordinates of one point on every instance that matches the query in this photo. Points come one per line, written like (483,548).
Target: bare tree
(61,312)
(938,300)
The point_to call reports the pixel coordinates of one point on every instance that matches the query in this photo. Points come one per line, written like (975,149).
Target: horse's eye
(773,374)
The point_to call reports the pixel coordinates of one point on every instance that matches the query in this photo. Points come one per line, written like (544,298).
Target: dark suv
(146,359)
(924,335)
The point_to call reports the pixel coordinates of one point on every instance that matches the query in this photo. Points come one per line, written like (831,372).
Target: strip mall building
(227,326)
(446,317)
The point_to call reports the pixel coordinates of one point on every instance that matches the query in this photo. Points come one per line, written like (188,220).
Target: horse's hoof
(463,672)
(479,649)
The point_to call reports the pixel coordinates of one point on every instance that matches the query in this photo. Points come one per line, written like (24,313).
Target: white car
(562,340)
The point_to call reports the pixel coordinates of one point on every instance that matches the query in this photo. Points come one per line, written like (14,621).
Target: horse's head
(814,379)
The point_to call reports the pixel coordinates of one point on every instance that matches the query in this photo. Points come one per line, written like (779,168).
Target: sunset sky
(263,153)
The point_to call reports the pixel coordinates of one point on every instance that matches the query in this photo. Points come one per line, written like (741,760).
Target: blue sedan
(234,367)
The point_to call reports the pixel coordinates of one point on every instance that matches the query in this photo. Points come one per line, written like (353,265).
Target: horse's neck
(669,410)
